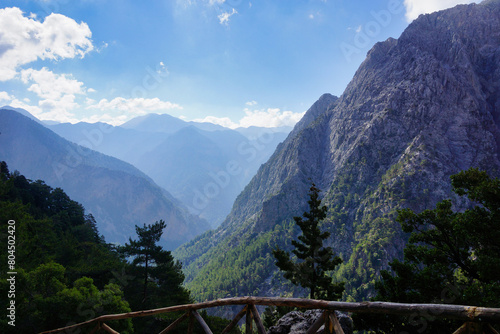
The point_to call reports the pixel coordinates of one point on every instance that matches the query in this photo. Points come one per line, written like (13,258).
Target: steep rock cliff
(419,109)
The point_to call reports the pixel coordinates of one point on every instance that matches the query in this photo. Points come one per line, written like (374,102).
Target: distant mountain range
(115,192)
(152,167)
(204,165)
(419,109)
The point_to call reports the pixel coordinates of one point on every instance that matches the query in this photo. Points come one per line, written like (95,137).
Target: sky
(230,62)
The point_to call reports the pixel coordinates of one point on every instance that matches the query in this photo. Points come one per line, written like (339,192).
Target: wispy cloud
(267,118)
(216,2)
(271,117)
(416,7)
(135,105)
(11,100)
(357,29)
(24,39)
(121,109)
(224,17)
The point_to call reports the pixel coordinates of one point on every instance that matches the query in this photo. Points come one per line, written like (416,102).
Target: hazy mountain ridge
(203,165)
(116,193)
(418,110)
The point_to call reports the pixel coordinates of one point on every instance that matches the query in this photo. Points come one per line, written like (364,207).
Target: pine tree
(156,278)
(452,257)
(161,275)
(145,250)
(315,259)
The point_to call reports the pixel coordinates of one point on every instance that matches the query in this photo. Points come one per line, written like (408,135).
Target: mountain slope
(207,170)
(115,192)
(183,158)
(122,143)
(166,124)
(193,168)
(418,110)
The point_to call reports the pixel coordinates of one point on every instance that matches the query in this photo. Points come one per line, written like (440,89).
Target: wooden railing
(476,319)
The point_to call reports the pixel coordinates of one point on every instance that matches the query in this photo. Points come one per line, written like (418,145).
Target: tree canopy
(67,273)
(452,257)
(314,260)
(161,275)
(64,267)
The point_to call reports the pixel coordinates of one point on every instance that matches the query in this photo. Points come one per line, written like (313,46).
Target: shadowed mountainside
(116,193)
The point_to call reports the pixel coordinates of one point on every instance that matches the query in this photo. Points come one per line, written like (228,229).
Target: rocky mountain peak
(419,109)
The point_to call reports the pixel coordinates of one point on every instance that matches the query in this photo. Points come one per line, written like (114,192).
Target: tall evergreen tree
(451,257)
(315,260)
(145,251)
(158,275)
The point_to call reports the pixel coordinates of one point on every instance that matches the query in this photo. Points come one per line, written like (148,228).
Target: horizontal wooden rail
(468,314)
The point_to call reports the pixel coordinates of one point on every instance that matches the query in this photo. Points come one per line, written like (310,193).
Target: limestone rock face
(418,110)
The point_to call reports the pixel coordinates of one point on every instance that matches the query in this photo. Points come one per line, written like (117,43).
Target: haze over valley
(163,162)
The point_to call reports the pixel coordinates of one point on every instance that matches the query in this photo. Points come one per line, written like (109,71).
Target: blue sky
(232,62)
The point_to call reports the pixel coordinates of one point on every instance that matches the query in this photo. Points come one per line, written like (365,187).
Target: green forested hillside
(65,270)
(241,263)
(58,269)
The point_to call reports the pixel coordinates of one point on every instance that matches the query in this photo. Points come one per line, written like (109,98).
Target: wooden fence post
(249,321)
(235,321)
(318,323)
(191,323)
(260,326)
(335,322)
(202,322)
(175,323)
(108,329)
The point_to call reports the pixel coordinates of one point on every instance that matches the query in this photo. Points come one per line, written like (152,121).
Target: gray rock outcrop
(299,322)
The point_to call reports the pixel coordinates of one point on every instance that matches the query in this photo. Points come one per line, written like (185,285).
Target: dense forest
(66,273)
(61,271)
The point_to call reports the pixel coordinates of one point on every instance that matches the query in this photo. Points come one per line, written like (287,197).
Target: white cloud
(106,118)
(251,103)
(24,39)
(5,98)
(57,92)
(224,17)
(267,118)
(223,121)
(270,118)
(49,85)
(121,109)
(138,106)
(89,101)
(416,7)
